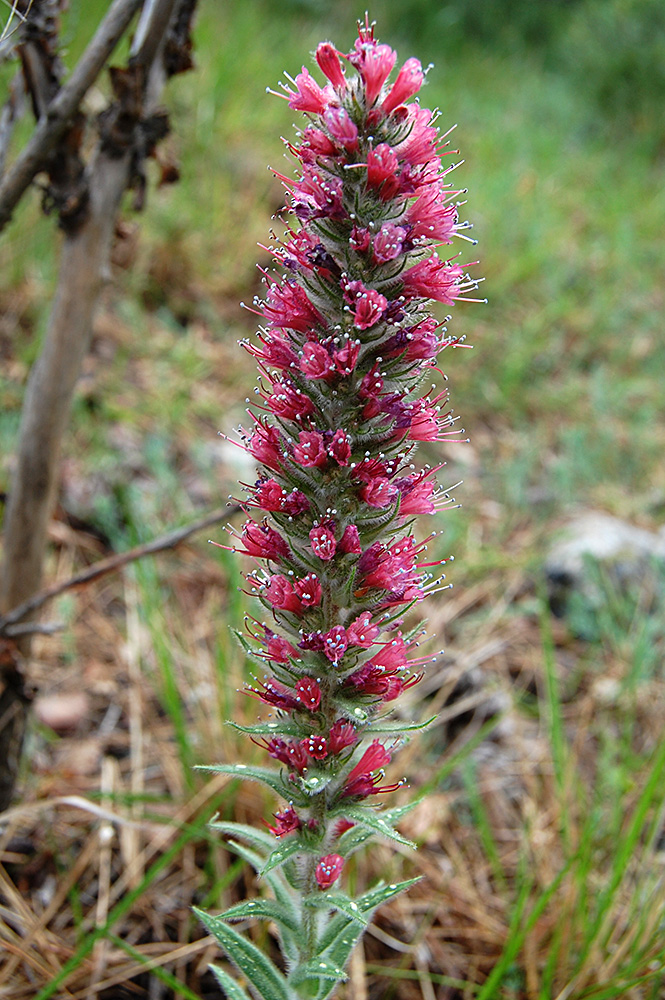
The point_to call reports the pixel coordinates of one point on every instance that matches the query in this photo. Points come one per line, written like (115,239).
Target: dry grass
(108,850)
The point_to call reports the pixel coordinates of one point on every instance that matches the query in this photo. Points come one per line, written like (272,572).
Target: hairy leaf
(273,779)
(286,850)
(228,984)
(338,901)
(263,909)
(375,821)
(264,976)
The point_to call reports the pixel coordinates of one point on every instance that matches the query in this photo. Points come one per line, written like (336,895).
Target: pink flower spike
(323,542)
(409,81)
(329,870)
(329,64)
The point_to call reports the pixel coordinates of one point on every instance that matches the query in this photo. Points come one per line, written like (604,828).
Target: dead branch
(87,201)
(103,567)
(57,117)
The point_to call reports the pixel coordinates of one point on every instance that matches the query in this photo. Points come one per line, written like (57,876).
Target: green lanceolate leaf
(286,850)
(262,840)
(283,727)
(335,935)
(266,979)
(228,984)
(273,779)
(275,879)
(319,969)
(338,901)
(396,726)
(263,909)
(375,821)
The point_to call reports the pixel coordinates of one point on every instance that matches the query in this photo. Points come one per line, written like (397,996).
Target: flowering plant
(345,343)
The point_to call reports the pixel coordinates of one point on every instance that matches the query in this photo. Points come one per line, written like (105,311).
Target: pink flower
(374,62)
(285,822)
(382,163)
(345,358)
(323,542)
(419,146)
(388,242)
(269,495)
(341,127)
(308,590)
(316,747)
(329,870)
(409,81)
(281,594)
(349,543)
(288,402)
(264,542)
(340,447)
(292,754)
(308,693)
(309,96)
(379,492)
(335,643)
(295,503)
(433,279)
(265,445)
(360,239)
(317,195)
(278,648)
(328,60)
(276,694)
(310,451)
(361,780)
(315,361)
(342,735)
(367,304)
(361,632)
(415,495)
(288,307)
(431,215)
(319,143)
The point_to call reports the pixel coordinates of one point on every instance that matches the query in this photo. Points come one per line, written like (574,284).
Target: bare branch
(63,106)
(169,541)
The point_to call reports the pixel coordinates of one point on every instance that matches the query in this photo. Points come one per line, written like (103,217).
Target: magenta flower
(346,341)
(329,870)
